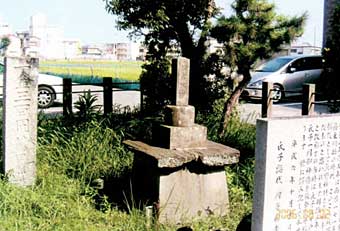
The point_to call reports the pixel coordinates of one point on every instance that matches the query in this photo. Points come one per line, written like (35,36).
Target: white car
(50,88)
(287,73)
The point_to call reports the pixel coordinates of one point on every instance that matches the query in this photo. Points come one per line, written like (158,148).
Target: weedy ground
(77,154)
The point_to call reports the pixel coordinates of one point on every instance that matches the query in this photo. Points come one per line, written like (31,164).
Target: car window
(1,69)
(308,63)
(299,64)
(313,63)
(273,65)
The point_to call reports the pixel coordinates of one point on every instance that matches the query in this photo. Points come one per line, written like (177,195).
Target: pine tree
(253,32)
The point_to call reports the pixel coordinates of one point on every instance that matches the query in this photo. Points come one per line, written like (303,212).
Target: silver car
(50,88)
(287,73)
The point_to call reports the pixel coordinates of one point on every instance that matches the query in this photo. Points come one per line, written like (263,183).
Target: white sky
(88,21)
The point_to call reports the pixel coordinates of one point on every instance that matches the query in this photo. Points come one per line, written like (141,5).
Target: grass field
(126,70)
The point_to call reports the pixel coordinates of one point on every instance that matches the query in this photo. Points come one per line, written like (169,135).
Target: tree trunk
(231,102)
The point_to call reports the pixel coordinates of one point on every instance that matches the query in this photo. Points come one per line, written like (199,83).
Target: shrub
(156,86)
(239,134)
(86,106)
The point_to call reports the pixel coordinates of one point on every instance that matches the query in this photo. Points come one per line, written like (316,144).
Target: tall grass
(59,203)
(91,152)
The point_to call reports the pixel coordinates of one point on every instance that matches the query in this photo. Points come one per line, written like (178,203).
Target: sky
(88,20)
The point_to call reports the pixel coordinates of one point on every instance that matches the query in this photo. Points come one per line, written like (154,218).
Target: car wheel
(278,94)
(46,96)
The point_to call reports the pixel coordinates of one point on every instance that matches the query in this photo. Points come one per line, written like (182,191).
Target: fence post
(67,96)
(308,99)
(267,101)
(107,84)
(141,90)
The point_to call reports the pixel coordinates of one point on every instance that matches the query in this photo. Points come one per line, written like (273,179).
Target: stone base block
(171,137)
(180,116)
(181,194)
(184,195)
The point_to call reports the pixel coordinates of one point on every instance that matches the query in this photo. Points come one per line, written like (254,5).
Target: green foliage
(89,153)
(166,26)
(330,76)
(157,86)
(162,18)
(4,43)
(239,134)
(59,203)
(86,106)
(254,31)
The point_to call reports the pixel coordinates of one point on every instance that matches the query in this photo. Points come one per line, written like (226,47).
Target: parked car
(50,88)
(287,73)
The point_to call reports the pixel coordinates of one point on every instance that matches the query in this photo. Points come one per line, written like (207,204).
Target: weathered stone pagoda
(181,172)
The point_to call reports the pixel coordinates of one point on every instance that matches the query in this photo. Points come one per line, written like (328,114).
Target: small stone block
(180,116)
(181,137)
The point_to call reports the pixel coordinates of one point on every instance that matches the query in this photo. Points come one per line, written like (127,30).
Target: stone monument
(182,172)
(20,119)
(297,174)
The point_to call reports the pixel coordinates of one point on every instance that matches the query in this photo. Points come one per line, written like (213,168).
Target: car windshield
(273,65)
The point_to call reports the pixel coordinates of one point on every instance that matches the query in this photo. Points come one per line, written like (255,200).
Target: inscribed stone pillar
(180,69)
(20,119)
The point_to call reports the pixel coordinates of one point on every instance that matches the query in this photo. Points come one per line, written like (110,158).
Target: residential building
(114,51)
(304,48)
(72,48)
(92,50)
(127,51)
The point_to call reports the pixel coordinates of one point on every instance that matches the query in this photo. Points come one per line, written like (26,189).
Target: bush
(239,134)
(156,86)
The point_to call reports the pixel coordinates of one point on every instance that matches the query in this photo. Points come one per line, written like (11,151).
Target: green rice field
(124,70)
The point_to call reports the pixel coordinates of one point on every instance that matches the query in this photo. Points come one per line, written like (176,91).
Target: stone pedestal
(184,184)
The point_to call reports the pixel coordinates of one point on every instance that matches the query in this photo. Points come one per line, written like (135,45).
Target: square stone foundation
(185,195)
(182,184)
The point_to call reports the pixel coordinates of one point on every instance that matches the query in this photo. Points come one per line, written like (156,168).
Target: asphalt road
(249,111)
